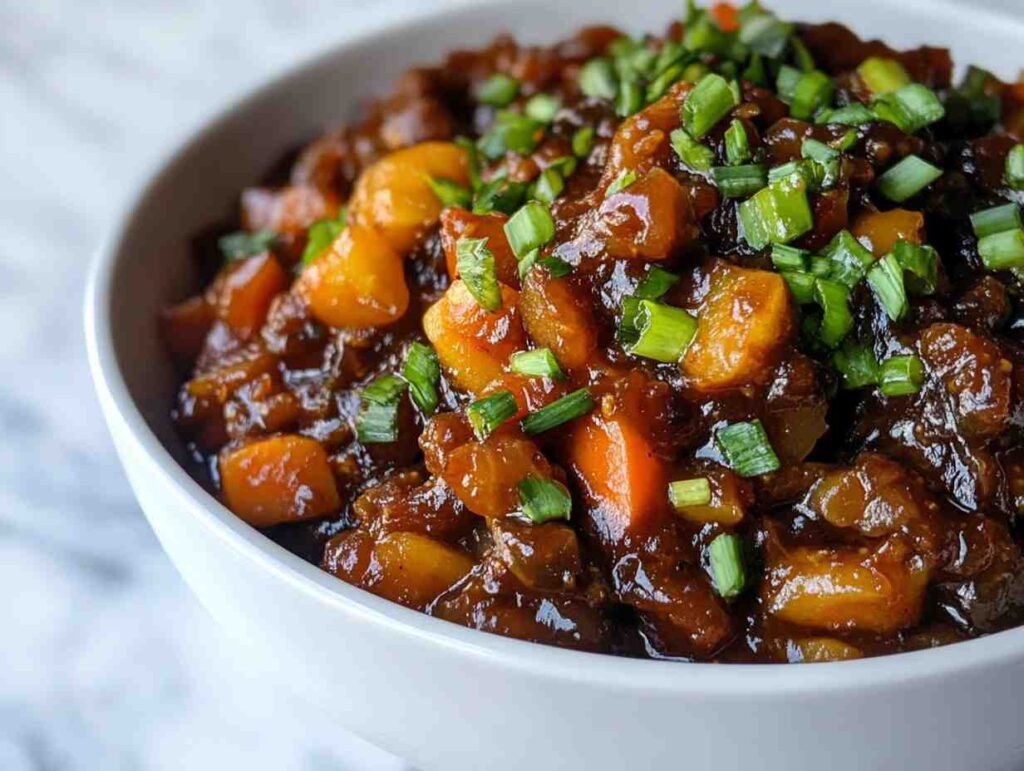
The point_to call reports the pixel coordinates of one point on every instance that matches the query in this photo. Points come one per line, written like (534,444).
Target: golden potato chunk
(558,318)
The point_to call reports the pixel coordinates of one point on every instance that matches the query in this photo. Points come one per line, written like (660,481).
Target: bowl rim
(593,669)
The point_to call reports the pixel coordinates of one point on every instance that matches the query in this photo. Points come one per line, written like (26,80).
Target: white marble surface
(106,660)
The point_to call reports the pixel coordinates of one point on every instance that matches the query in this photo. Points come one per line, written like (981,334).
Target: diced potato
(648,220)
(641,142)
(544,557)
(851,589)
(359,282)
(880,230)
(558,318)
(817,649)
(730,497)
(473,343)
(281,479)
(459,223)
(415,569)
(741,330)
(244,291)
(184,327)
(485,475)
(394,196)
(975,373)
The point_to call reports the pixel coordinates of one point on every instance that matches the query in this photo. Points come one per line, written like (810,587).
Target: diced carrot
(244,292)
(281,479)
(741,330)
(184,327)
(557,317)
(880,230)
(459,223)
(473,343)
(726,16)
(358,282)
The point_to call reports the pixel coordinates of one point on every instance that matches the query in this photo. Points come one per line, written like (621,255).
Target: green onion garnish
(725,555)
(568,407)
(921,262)
(777,214)
(837,321)
(786,81)
(911,107)
(542,107)
(583,141)
(1003,251)
(501,195)
(997,219)
(510,132)
(739,181)
(765,34)
(801,54)
(801,285)
(377,421)
(882,76)
(529,228)
(624,179)
(709,101)
(907,178)
(812,92)
(847,259)
(854,114)
(554,265)
(691,152)
(901,376)
(886,280)
(486,414)
(544,499)
(629,98)
(664,331)
(499,90)
(422,371)
(598,80)
(321,234)
(690,492)
(239,245)
(789,257)
(479,272)
(857,365)
(540,362)
(737,144)
(655,284)
(746,449)
(1015,167)
(450,193)
(548,186)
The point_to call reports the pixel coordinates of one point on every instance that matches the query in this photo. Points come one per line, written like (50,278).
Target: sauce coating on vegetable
(706,345)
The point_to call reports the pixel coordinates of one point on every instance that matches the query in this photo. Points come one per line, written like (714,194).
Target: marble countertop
(106,659)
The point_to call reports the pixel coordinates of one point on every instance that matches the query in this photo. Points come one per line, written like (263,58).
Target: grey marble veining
(106,660)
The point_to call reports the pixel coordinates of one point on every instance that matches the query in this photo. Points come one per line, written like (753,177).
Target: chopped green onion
(239,245)
(598,80)
(583,141)
(499,90)
(1003,251)
(737,144)
(544,500)
(886,280)
(974,105)
(568,407)
(510,132)
(655,284)
(479,272)
(540,362)
(845,142)
(725,555)
(548,186)
(739,181)
(629,98)
(689,492)
(854,114)
(500,195)
(704,35)
(786,82)
(707,103)
(848,260)
(901,376)
(801,55)
(542,107)
(907,178)
(377,421)
(810,172)
(625,178)
(765,34)
(529,228)
(321,234)
(555,265)
(921,262)
(777,214)
(691,152)
(837,321)
(882,76)
(746,449)
(527,263)
(422,371)
(801,286)
(565,165)
(486,414)
(1015,167)
(996,219)
(826,160)
(789,257)
(755,71)
(472,160)
(665,332)
(812,92)
(450,193)
(857,365)
(910,108)
(627,332)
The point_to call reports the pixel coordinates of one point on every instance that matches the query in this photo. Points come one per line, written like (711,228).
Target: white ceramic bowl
(454,698)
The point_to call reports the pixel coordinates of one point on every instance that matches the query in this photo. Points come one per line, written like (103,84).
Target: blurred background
(106,660)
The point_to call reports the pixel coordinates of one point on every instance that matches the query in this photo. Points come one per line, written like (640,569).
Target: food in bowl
(702,346)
